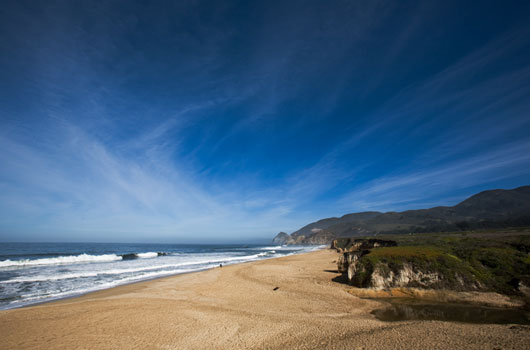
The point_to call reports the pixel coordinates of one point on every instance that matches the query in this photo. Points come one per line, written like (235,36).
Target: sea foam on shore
(31,273)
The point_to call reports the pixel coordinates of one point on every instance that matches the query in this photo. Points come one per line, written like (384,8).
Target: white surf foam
(61,260)
(148,255)
(271,248)
(35,297)
(56,277)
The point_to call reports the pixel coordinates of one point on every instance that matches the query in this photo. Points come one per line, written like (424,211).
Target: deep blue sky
(184,121)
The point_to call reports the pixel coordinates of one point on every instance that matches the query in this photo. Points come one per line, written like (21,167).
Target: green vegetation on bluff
(489,260)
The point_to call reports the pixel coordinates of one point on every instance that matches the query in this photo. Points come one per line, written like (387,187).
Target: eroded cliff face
(364,274)
(383,277)
(485,262)
(378,272)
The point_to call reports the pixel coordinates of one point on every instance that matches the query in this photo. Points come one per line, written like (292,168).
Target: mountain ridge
(486,209)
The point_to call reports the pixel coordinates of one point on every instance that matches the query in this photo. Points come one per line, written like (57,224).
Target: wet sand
(236,307)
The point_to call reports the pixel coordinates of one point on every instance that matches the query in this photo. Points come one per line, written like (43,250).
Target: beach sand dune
(284,303)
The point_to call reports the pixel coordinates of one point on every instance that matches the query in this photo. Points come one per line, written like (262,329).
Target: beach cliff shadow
(405,310)
(342,279)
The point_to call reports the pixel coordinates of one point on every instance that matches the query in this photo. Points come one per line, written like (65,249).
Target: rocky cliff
(282,238)
(488,263)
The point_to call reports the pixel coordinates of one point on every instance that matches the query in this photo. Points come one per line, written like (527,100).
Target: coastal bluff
(479,261)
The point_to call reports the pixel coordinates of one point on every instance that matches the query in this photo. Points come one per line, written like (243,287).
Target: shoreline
(285,302)
(82,294)
(59,299)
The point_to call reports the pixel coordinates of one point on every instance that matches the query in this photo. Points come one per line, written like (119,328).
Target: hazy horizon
(190,122)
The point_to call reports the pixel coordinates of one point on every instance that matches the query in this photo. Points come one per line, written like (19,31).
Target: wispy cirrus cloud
(85,186)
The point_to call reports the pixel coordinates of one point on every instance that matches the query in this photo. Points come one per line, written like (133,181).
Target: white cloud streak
(75,183)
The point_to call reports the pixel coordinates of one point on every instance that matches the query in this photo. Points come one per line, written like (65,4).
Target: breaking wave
(61,260)
(148,255)
(83,258)
(271,248)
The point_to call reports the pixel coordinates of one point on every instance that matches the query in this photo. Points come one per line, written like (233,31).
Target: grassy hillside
(488,209)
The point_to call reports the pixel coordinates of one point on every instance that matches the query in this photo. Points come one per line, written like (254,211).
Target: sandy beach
(237,307)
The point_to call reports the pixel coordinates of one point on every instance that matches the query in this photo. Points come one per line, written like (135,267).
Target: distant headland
(486,210)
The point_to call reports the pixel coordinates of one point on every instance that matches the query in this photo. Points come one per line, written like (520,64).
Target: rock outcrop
(383,276)
(395,267)
(282,238)
(353,249)
(477,261)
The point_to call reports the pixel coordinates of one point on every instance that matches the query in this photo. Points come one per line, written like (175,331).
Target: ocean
(37,272)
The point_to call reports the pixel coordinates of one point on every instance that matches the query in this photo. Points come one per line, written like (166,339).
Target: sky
(229,121)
